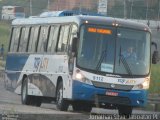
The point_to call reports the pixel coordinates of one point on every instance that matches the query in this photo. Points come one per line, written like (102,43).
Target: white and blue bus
(78,60)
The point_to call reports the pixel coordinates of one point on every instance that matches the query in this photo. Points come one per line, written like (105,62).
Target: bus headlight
(83,79)
(79,76)
(144,85)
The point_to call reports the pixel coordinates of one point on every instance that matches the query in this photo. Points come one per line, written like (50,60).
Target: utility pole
(30,5)
(125,9)
(131,9)
(80,7)
(48,5)
(158,9)
(57,5)
(147,11)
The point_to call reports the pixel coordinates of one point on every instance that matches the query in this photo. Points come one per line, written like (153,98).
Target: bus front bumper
(85,92)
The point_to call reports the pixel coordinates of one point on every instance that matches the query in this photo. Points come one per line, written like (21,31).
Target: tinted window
(63,39)
(33,39)
(96,50)
(52,38)
(12,39)
(24,39)
(42,43)
(15,39)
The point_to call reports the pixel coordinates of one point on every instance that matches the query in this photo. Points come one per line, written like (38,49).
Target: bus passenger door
(71,46)
(71,58)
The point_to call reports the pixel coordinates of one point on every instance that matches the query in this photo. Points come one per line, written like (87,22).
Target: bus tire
(25,98)
(61,103)
(125,111)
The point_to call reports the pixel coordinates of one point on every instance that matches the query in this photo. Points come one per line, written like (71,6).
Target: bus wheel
(25,98)
(125,111)
(61,104)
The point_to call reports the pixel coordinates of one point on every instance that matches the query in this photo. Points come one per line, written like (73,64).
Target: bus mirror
(155,57)
(74,44)
(154,44)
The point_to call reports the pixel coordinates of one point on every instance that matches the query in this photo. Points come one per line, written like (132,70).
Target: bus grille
(113,99)
(108,85)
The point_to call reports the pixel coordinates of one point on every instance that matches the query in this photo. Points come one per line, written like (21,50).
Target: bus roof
(67,13)
(80,19)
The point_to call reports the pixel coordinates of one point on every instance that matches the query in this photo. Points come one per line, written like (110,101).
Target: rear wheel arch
(28,99)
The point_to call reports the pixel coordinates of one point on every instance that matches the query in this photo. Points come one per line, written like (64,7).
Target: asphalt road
(11,107)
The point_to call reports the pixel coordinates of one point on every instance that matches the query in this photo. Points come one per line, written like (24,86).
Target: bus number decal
(44,63)
(97,78)
(37,61)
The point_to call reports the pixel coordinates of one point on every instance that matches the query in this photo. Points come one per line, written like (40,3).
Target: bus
(12,12)
(67,13)
(77,60)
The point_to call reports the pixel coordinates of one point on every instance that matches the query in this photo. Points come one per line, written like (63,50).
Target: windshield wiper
(101,59)
(125,64)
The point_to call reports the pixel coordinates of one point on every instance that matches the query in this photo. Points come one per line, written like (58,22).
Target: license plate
(112,93)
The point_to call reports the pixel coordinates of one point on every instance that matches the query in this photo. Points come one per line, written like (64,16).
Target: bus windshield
(105,49)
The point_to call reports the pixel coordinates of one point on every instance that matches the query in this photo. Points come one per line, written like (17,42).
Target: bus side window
(52,39)
(42,43)
(12,39)
(24,39)
(15,39)
(63,39)
(33,39)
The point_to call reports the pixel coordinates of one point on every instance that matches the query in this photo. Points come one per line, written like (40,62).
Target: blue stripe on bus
(15,63)
(81,91)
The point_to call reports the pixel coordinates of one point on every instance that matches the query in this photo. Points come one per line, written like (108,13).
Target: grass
(155,79)
(4,34)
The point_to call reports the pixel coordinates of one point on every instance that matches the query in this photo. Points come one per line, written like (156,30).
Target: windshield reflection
(97,47)
(134,46)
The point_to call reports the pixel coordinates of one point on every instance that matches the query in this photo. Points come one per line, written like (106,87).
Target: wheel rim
(59,96)
(24,92)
